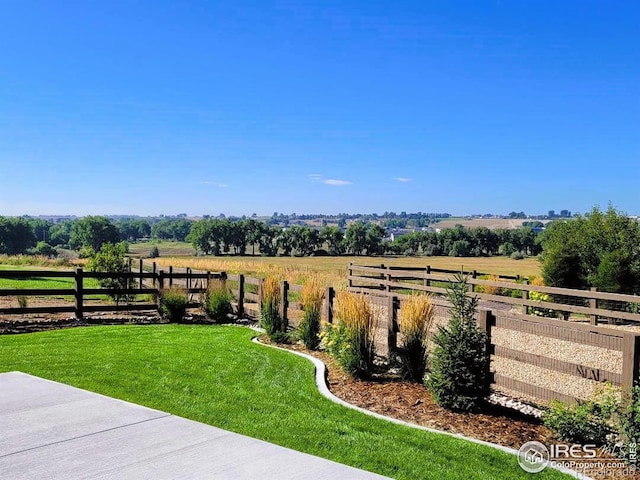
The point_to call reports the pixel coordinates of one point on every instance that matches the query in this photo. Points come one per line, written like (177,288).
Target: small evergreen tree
(459,374)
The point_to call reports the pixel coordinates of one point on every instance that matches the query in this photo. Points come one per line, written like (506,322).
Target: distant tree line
(216,236)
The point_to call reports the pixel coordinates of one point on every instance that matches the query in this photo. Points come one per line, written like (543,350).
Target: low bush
(459,372)
(415,319)
(579,423)
(174,301)
(311,299)
(517,256)
(270,317)
(490,289)
(540,297)
(217,301)
(154,252)
(629,419)
(350,340)
(586,422)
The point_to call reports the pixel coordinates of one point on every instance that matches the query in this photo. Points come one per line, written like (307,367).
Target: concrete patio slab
(55,431)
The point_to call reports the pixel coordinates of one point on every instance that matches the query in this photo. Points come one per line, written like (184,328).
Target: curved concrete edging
(321,383)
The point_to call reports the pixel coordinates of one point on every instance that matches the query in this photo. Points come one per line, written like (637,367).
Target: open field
(490,223)
(333,270)
(46,283)
(216,375)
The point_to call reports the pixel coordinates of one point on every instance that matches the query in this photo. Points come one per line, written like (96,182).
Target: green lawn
(216,375)
(47,283)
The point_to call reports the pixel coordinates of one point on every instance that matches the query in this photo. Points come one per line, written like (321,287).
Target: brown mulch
(388,395)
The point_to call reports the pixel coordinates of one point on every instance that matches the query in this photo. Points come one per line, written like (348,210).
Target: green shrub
(629,418)
(350,339)
(217,302)
(111,258)
(459,375)
(174,301)
(578,423)
(415,318)
(309,328)
(154,252)
(270,317)
(517,256)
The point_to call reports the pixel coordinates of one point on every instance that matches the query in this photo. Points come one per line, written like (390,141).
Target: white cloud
(214,184)
(402,179)
(337,183)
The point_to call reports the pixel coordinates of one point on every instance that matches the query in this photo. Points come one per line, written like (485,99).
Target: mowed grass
(46,283)
(333,270)
(216,375)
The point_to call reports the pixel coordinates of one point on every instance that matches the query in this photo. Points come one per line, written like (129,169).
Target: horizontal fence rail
(387,288)
(596,306)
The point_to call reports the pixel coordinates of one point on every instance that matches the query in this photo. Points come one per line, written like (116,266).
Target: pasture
(332,270)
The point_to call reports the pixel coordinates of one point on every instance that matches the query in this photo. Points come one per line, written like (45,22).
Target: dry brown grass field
(333,270)
(491,223)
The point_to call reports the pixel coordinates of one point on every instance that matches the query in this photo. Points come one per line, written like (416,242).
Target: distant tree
(132,230)
(16,236)
(254,232)
(60,233)
(356,238)
(268,241)
(601,249)
(93,232)
(374,237)
(334,239)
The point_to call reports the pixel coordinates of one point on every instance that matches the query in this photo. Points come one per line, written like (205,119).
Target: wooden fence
(401,281)
(579,334)
(387,288)
(141,283)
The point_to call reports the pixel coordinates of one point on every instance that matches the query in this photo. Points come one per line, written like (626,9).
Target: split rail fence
(387,288)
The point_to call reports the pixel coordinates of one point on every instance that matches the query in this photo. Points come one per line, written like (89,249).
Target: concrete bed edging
(321,383)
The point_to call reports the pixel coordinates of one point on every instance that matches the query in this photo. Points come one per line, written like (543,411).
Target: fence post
(630,359)
(593,303)
(474,275)
(170,276)
(350,272)
(79,294)
(525,296)
(486,321)
(388,279)
(427,282)
(241,296)
(392,323)
(160,288)
(141,273)
(329,295)
(154,270)
(188,280)
(284,293)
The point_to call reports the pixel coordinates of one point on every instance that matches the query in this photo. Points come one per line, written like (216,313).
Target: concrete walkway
(55,431)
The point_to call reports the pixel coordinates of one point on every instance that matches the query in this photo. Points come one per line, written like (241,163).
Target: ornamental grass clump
(271,319)
(351,338)
(311,299)
(217,301)
(174,301)
(415,319)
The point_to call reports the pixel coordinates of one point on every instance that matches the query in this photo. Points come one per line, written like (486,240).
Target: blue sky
(153,107)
